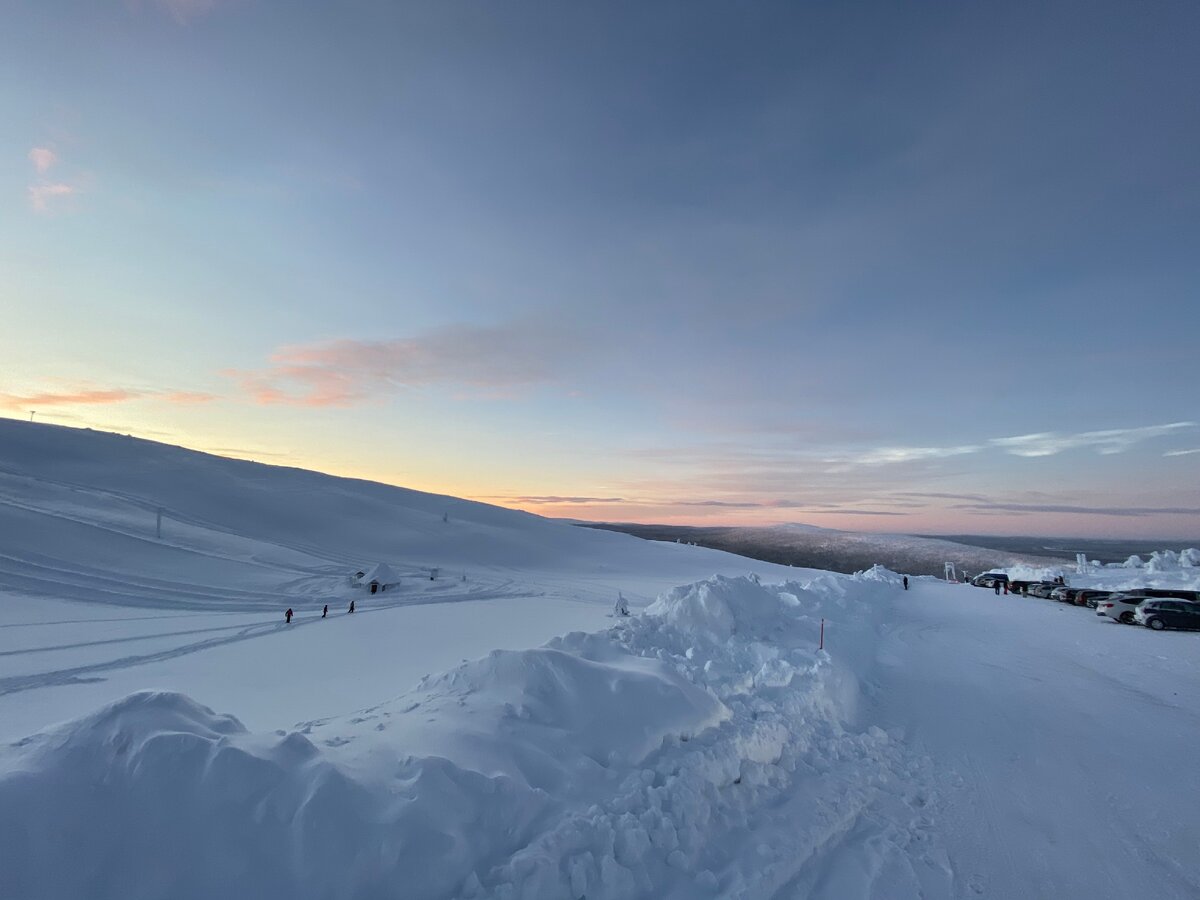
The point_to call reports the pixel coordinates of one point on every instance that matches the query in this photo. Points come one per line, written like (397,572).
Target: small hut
(377,578)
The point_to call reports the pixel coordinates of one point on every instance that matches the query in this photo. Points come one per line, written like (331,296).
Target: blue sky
(908,267)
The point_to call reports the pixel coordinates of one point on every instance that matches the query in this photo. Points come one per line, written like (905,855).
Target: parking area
(1155,607)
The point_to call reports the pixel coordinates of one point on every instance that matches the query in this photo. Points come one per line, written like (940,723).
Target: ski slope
(96,604)
(497,733)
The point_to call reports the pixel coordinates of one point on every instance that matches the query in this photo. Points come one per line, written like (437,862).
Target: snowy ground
(1063,743)
(947,743)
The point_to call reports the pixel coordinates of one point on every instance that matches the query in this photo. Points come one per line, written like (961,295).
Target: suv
(1160,614)
(989,579)
(1120,607)
(1170,594)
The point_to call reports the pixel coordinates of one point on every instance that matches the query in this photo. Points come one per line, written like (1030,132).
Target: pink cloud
(84,396)
(189,398)
(42,158)
(490,360)
(41,195)
(98,396)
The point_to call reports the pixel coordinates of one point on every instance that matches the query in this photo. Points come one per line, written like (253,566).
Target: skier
(351,606)
(288,615)
(325,611)
(906,582)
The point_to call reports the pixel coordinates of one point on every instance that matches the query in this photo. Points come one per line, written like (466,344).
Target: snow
(1164,569)
(380,572)
(507,736)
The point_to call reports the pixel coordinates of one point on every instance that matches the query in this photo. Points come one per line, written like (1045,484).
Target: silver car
(1120,607)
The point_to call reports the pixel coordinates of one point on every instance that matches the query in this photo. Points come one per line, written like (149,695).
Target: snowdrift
(599,765)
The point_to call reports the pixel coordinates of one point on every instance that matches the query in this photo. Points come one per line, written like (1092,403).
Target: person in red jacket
(288,615)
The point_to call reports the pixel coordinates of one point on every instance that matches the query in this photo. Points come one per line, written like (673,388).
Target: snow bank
(1164,569)
(601,765)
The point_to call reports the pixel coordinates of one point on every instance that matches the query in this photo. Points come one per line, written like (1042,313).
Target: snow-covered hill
(97,602)
(945,743)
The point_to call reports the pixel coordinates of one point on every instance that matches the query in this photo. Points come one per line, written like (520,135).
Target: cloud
(1128,511)
(1182,452)
(41,195)
(941,495)
(85,396)
(490,360)
(188,397)
(43,192)
(1116,440)
(553,499)
(885,456)
(888,455)
(42,158)
(97,396)
(857,512)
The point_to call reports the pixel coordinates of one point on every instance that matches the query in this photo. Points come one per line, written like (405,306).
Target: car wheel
(1127,618)
(1156,624)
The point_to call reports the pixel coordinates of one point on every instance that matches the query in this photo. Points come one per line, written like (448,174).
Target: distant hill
(839,551)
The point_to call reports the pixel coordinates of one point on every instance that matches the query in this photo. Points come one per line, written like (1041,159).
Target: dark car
(1064,594)
(1170,594)
(1089,598)
(1020,587)
(1160,614)
(989,579)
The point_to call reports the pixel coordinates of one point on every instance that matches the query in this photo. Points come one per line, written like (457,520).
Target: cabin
(376,579)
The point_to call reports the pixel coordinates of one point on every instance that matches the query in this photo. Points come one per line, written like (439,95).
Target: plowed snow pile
(704,747)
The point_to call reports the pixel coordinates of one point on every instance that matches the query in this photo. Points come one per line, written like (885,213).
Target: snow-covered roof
(380,572)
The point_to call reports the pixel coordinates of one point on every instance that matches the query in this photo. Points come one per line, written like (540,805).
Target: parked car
(1120,607)
(989,579)
(1160,614)
(1089,598)
(1170,594)
(1064,594)
(1043,589)
(1020,587)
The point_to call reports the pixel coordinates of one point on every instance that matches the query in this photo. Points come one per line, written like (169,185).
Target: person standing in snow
(996,585)
(351,606)
(288,615)
(906,582)
(325,611)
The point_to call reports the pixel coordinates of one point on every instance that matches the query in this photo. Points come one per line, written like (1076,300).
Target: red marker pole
(821,646)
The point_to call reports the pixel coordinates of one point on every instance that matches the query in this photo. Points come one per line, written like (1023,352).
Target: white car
(1120,606)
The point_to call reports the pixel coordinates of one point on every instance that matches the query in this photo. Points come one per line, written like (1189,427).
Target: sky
(927,268)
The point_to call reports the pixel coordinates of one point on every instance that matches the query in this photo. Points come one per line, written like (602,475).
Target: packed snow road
(1062,746)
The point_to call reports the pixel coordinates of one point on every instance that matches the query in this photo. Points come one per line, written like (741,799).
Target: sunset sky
(925,267)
